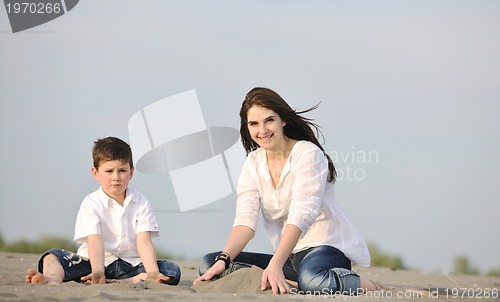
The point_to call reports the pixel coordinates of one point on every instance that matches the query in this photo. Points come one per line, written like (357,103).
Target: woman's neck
(281,154)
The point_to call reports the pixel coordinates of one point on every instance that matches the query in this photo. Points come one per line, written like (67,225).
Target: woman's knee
(329,281)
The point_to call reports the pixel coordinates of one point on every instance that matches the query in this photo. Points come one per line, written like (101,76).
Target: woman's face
(266,128)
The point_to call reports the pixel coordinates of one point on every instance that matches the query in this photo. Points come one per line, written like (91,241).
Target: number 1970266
(33,8)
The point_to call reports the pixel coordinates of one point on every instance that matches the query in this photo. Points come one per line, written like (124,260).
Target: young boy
(115,225)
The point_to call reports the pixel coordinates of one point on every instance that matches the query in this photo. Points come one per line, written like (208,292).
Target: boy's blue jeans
(76,266)
(322,269)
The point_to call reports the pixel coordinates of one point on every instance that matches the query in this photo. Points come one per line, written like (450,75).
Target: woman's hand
(274,271)
(216,269)
(274,275)
(95,278)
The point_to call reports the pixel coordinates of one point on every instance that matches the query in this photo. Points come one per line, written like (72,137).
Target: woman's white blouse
(303,197)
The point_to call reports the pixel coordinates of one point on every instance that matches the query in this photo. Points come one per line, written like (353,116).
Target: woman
(289,177)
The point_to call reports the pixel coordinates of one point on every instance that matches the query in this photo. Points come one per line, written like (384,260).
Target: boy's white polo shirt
(117,225)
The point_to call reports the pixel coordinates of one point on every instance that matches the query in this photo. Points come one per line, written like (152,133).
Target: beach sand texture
(242,285)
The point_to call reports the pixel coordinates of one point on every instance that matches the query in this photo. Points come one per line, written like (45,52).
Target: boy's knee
(49,259)
(177,271)
(172,270)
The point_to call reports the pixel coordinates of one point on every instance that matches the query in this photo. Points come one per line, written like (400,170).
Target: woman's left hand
(216,269)
(274,275)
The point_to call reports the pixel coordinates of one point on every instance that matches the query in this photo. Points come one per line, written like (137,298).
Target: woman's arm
(245,222)
(310,169)
(238,239)
(274,271)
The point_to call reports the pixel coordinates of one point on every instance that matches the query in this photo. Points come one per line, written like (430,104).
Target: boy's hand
(95,278)
(158,277)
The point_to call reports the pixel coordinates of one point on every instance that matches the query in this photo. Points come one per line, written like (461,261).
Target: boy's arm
(96,252)
(95,247)
(147,252)
(148,257)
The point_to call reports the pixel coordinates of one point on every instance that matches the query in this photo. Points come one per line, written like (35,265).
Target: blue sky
(416,82)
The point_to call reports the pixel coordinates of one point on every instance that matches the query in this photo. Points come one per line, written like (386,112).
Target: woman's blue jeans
(319,270)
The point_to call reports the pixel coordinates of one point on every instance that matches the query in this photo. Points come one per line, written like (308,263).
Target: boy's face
(114,176)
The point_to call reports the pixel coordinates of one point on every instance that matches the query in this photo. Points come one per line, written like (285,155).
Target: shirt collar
(106,200)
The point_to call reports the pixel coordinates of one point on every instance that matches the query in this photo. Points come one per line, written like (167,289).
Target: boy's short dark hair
(111,148)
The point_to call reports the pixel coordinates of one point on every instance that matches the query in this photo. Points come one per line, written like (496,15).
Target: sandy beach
(243,285)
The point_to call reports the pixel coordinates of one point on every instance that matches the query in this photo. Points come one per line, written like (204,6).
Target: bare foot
(34,277)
